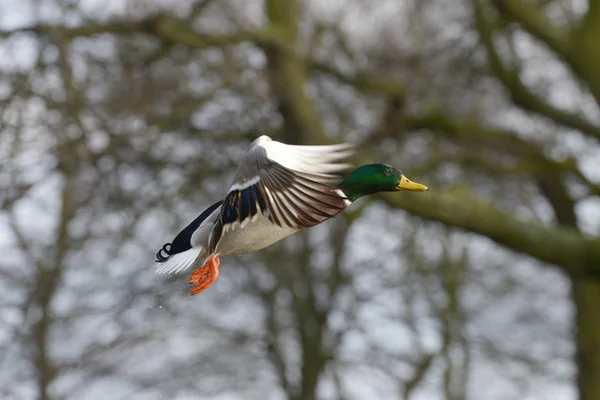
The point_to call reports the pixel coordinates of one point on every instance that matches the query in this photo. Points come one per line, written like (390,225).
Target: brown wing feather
(286,196)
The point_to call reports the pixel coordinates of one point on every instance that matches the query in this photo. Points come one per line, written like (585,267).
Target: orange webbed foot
(204,276)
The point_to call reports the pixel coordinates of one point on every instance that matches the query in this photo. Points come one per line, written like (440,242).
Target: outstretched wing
(291,185)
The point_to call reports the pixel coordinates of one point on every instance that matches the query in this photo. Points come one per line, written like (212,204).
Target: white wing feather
(310,159)
(180,261)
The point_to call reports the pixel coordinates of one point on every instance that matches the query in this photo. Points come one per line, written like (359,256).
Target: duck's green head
(373,178)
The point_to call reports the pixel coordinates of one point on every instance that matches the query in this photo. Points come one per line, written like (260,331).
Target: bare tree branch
(519,93)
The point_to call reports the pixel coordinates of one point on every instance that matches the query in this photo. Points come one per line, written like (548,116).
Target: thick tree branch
(566,248)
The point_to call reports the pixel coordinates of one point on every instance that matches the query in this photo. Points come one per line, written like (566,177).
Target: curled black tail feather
(167,250)
(182,241)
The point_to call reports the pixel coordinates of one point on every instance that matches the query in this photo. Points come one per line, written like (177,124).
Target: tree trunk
(586,297)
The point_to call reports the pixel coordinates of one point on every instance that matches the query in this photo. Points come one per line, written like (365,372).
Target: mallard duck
(278,190)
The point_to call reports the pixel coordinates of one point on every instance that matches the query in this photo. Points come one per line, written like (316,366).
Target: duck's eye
(387,171)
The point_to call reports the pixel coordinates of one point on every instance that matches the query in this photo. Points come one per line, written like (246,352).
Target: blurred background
(120,121)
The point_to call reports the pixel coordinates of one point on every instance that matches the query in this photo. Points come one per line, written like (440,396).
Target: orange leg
(204,276)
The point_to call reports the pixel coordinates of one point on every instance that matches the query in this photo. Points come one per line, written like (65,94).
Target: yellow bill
(407,184)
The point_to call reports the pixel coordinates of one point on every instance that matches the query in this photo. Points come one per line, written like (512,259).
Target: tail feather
(180,261)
